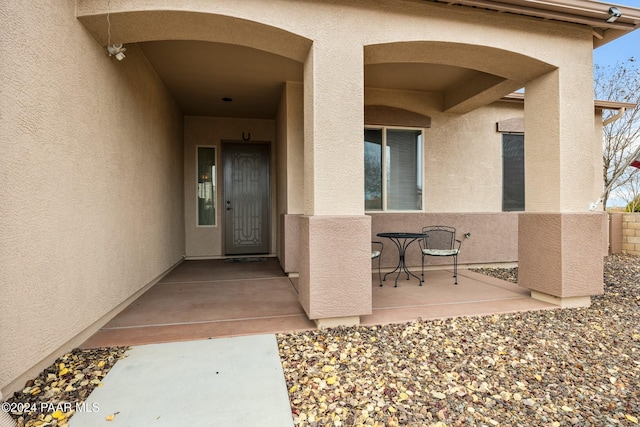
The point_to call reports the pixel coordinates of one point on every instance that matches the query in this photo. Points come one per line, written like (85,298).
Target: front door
(246,198)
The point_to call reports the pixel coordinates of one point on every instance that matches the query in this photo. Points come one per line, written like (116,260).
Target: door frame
(224,144)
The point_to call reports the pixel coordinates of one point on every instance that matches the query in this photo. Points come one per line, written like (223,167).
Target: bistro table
(402,242)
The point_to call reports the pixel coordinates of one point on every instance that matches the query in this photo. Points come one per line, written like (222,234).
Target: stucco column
(560,243)
(335,264)
(290,172)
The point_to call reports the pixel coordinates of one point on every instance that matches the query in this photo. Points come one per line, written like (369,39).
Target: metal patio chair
(377,254)
(440,240)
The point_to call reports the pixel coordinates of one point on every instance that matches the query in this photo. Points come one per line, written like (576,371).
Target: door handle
(229,203)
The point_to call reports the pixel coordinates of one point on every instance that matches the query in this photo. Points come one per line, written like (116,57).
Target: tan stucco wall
(494,237)
(518,49)
(615,233)
(91,168)
(555,257)
(207,242)
(289,165)
(560,153)
(335,273)
(128,127)
(462,153)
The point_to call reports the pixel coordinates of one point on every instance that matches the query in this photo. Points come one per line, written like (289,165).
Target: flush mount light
(226,99)
(614,14)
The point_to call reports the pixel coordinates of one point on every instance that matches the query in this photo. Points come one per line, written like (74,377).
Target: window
(392,169)
(206,190)
(512,172)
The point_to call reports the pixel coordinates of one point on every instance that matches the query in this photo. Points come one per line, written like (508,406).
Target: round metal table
(402,242)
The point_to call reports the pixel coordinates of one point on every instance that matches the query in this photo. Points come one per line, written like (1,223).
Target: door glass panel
(206,186)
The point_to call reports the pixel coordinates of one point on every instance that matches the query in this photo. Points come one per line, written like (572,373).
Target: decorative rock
(550,367)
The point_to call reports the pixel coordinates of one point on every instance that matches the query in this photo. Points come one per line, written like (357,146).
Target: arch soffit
(509,65)
(156,25)
(393,116)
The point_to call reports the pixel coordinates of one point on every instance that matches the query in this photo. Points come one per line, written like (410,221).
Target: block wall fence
(624,233)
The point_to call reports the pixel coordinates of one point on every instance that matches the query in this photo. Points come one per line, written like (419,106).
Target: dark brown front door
(246,198)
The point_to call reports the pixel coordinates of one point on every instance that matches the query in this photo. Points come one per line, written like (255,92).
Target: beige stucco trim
(566,302)
(515,125)
(333,322)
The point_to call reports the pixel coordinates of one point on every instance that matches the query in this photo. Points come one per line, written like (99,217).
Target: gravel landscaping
(52,397)
(546,368)
(558,367)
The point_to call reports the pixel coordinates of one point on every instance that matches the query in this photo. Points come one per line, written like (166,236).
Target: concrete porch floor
(215,298)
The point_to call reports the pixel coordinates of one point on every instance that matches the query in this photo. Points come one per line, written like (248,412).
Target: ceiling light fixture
(614,14)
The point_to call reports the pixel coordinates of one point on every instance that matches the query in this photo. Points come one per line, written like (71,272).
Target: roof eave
(598,103)
(585,12)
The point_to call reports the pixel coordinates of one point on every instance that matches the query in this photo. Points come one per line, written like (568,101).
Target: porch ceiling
(200,74)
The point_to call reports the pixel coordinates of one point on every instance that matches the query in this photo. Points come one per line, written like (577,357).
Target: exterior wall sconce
(614,14)
(116,50)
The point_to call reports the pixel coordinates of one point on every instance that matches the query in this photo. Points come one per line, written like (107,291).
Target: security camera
(614,14)
(116,50)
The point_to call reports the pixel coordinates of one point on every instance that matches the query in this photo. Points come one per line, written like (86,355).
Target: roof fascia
(585,12)
(598,103)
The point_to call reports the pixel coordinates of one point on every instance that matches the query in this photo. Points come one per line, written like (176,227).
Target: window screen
(512,172)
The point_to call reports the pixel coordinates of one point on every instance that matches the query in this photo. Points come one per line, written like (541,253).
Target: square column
(560,243)
(334,233)
(335,268)
(560,256)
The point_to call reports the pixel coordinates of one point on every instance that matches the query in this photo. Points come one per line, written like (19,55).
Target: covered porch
(218,298)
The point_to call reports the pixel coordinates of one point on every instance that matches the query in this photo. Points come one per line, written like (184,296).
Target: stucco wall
(207,242)
(289,164)
(519,49)
(91,168)
(494,236)
(462,153)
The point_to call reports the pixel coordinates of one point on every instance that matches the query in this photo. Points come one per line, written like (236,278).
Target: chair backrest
(439,237)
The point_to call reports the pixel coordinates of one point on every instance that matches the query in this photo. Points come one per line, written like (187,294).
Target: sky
(621,48)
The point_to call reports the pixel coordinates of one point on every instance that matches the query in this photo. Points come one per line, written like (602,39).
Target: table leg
(399,266)
(402,265)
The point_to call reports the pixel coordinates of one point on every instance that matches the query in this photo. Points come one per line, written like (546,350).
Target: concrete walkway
(217,382)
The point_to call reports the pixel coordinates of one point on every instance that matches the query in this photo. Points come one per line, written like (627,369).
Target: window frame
(214,184)
(420,169)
